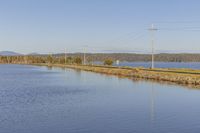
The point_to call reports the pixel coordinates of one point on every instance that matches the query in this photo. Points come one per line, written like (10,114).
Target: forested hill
(163,57)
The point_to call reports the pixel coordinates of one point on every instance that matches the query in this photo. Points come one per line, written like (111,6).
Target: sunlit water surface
(43,100)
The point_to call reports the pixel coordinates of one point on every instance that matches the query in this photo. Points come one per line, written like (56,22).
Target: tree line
(131,57)
(50,59)
(105,58)
(40,59)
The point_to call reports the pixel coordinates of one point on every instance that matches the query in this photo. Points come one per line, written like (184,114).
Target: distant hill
(32,54)
(9,53)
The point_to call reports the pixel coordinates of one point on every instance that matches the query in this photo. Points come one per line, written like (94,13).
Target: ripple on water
(36,99)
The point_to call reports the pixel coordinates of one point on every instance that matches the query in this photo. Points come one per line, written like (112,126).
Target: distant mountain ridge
(9,53)
(32,54)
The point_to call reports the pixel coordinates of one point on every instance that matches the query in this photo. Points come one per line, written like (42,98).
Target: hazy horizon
(115,52)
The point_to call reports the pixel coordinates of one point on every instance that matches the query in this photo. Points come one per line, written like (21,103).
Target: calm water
(41,100)
(190,65)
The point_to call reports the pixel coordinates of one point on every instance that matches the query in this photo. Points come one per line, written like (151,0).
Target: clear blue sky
(102,25)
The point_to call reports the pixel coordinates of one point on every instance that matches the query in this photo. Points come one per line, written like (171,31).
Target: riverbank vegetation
(129,57)
(50,59)
(180,76)
(108,62)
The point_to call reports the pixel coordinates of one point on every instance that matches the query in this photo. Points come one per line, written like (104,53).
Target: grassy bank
(179,76)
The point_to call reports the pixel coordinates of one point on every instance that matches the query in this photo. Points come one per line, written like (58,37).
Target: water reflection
(66,100)
(152,103)
(49,67)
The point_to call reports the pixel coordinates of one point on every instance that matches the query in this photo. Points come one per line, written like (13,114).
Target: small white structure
(117,62)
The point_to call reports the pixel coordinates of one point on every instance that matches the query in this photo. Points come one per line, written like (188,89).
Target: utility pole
(84,56)
(152,30)
(65,56)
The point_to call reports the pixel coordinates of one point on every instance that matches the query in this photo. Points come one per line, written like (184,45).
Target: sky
(51,26)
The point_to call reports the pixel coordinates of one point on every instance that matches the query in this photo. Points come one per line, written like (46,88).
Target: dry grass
(179,76)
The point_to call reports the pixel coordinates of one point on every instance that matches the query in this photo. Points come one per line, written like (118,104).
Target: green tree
(50,59)
(108,62)
(78,60)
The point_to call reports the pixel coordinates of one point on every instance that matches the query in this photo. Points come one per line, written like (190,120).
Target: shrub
(108,62)
(78,60)
(50,59)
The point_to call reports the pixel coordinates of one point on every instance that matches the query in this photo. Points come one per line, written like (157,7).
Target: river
(37,99)
(189,65)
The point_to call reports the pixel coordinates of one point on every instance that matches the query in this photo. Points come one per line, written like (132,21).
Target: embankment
(179,76)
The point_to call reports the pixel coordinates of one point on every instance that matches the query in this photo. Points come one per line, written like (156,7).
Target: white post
(84,57)
(152,29)
(65,55)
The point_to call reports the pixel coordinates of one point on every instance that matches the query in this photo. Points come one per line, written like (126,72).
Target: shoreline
(173,75)
(179,76)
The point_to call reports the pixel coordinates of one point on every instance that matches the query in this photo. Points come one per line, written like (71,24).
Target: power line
(177,22)
(182,29)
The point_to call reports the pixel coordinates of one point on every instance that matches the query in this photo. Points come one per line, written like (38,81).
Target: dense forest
(77,58)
